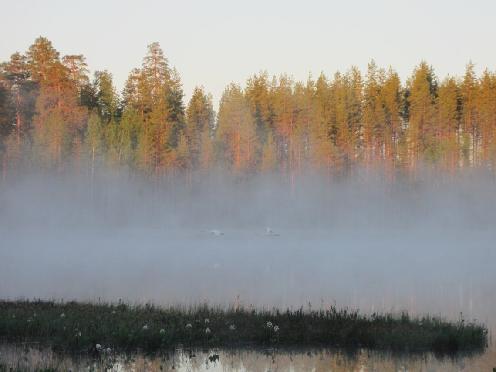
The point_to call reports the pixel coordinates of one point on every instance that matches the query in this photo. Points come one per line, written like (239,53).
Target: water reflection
(29,358)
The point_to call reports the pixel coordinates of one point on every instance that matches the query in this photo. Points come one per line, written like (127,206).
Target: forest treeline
(54,115)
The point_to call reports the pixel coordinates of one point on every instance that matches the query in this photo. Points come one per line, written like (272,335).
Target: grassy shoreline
(96,328)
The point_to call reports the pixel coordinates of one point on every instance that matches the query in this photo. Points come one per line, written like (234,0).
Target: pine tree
(106,97)
(373,129)
(236,131)
(199,120)
(50,110)
(422,100)
(42,58)
(59,120)
(469,93)
(20,93)
(349,133)
(447,123)
(285,120)
(176,116)
(77,73)
(129,125)
(391,103)
(259,96)
(303,97)
(323,151)
(155,92)
(486,110)
(107,105)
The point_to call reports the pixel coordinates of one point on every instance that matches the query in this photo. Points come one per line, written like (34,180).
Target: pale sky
(215,42)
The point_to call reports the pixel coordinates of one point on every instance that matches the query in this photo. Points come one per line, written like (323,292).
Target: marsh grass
(106,328)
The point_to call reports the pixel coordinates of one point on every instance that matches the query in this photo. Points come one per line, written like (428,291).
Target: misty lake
(424,247)
(440,271)
(334,209)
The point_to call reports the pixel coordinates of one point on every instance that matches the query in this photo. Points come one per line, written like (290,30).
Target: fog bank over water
(423,245)
(208,200)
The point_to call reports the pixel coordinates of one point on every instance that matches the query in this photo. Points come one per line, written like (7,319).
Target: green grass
(79,327)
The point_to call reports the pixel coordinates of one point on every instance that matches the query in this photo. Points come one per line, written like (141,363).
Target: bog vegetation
(54,115)
(99,328)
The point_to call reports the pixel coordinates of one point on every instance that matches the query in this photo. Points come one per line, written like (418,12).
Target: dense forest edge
(53,115)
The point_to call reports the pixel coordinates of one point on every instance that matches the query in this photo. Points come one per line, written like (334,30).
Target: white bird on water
(270,232)
(216,232)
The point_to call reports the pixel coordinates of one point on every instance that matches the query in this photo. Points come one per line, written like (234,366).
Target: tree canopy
(54,114)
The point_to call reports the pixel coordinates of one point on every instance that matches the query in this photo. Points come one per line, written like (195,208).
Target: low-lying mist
(423,244)
(216,200)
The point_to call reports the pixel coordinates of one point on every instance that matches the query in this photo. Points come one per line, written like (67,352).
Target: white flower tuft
(232,327)
(276,328)
(98,347)
(269,324)
(145,327)
(189,326)
(162,331)
(61,315)
(207,330)
(207,321)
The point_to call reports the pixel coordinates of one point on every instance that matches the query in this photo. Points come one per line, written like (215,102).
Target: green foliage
(199,120)
(76,327)
(332,123)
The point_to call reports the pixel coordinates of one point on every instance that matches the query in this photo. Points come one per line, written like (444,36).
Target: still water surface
(249,361)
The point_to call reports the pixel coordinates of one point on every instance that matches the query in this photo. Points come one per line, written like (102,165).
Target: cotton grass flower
(189,326)
(98,347)
(232,327)
(162,331)
(145,327)
(269,324)
(62,315)
(207,331)
(108,350)
(276,328)
(207,320)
